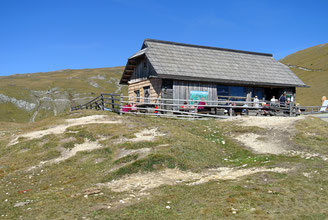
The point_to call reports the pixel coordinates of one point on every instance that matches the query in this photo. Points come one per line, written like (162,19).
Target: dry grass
(56,191)
(316,59)
(69,83)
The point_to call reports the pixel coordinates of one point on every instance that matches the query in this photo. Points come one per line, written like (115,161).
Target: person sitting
(126,108)
(134,107)
(185,105)
(245,110)
(156,109)
(201,105)
(324,106)
(323,99)
(274,102)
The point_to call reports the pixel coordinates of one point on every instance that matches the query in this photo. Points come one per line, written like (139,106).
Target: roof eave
(131,59)
(189,78)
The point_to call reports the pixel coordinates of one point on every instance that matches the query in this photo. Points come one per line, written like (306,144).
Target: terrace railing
(173,107)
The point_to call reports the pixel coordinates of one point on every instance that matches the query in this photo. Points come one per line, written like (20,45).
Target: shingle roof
(139,53)
(194,62)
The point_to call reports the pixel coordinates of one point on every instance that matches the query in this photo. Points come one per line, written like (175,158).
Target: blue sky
(47,35)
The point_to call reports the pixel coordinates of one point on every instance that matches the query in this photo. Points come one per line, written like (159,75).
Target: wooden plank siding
(155,89)
(181,90)
(142,71)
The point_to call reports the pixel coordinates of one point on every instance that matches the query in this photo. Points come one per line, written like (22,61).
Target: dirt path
(277,138)
(68,153)
(146,135)
(147,181)
(59,129)
(284,123)
(323,117)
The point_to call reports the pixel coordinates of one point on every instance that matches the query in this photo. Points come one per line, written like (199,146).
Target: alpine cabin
(178,71)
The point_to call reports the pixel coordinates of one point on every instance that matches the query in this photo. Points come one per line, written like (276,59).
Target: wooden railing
(173,107)
(106,102)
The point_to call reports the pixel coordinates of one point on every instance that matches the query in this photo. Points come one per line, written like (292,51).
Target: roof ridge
(206,47)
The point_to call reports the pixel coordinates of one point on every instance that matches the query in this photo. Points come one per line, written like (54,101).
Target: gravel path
(322,116)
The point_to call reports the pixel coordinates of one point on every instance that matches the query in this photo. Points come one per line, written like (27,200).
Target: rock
(168,207)
(19,204)
(91,191)
(75,195)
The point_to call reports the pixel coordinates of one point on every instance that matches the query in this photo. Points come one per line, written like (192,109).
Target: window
(137,96)
(231,91)
(259,92)
(238,91)
(147,94)
(144,64)
(223,90)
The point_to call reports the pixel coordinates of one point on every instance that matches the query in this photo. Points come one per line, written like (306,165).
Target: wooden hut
(183,71)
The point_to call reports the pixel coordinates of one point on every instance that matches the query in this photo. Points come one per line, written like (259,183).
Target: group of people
(283,101)
(129,107)
(200,106)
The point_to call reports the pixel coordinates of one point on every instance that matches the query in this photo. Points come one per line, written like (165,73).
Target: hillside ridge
(311,66)
(33,96)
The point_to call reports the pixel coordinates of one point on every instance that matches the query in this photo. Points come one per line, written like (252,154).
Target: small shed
(163,69)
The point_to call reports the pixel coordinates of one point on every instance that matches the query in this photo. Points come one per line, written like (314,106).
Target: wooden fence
(106,102)
(190,109)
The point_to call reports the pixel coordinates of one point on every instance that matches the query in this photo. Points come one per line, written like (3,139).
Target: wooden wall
(181,90)
(143,70)
(155,89)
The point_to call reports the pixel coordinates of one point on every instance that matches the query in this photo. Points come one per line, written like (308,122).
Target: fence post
(121,103)
(290,109)
(102,102)
(113,106)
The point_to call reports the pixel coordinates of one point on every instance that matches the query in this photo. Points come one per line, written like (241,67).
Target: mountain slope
(100,165)
(31,97)
(311,65)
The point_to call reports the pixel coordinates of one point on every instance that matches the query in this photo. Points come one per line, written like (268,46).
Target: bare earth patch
(262,146)
(146,135)
(276,139)
(125,152)
(59,129)
(268,122)
(68,153)
(147,181)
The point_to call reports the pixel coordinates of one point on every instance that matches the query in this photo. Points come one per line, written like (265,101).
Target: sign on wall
(198,95)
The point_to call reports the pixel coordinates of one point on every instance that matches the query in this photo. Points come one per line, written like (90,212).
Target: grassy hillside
(311,65)
(83,165)
(31,97)
(35,96)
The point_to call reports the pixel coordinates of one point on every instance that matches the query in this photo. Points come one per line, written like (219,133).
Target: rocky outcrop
(22,104)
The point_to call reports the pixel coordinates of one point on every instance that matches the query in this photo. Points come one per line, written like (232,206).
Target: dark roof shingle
(185,61)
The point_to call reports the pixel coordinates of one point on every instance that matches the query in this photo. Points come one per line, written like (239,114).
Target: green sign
(198,95)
